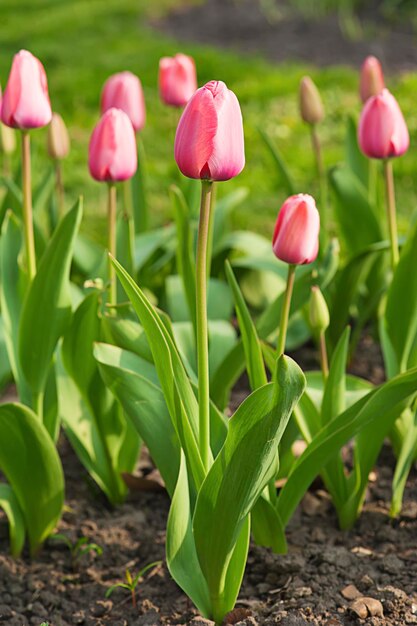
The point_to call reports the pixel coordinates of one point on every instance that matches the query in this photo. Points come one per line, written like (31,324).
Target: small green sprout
(131,583)
(78,548)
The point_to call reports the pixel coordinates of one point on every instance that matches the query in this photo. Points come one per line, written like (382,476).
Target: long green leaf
(47,308)
(376,405)
(10,505)
(31,464)
(281,167)
(239,474)
(178,393)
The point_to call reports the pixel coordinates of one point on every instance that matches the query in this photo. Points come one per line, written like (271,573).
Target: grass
(81,43)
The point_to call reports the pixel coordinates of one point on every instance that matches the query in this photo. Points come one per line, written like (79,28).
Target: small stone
(263,588)
(367,606)
(201,621)
(350,592)
(366,581)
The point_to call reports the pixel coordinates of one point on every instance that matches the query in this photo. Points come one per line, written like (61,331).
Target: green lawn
(81,42)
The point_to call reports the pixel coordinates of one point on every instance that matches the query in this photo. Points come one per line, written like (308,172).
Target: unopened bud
(372,78)
(318,312)
(58,138)
(7,139)
(311,105)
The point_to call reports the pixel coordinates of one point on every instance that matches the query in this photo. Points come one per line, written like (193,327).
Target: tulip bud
(177,79)
(318,311)
(124,91)
(7,139)
(382,131)
(311,105)
(372,78)
(112,150)
(26,101)
(296,234)
(209,141)
(58,138)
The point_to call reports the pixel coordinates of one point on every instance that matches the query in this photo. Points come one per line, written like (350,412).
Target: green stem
(38,404)
(210,230)
(324,362)
(391,211)
(59,185)
(318,154)
(285,311)
(27,205)
(111,228)
(202,326)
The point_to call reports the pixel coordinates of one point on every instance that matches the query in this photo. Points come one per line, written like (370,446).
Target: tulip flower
(372,78)
(208,145)
(209,141)
(26,102)
(311,105)
(124,91)
(26,105)
(383,134)
(177,79)
(295,241)
(112,158)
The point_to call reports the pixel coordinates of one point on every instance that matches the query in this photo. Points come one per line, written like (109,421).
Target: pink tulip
(382,130)
(124,91)
(296,234)
(209,141)
(372,78)
(177,79)
(26,101)
(112,150)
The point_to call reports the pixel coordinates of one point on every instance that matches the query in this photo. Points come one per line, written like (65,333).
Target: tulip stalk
(285,311)
(391,211)
(27,205)
(111,232)
(324,361)
(202,324)
(59,187)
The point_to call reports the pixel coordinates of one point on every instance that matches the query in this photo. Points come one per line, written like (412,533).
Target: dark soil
(378,557)
(242,26)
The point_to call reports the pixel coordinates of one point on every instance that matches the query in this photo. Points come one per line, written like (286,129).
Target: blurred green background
(82,42)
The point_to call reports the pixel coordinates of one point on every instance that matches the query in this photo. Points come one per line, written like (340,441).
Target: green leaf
(405,462)
(356,160)
(335,390)
(46,311)
(134,383)
(125,245)
(139,184)
(251,344)
(283,172)
(383,403)
(10,505)
(149,243)
(27,451)
(352,208)
(267,528)
(401,306)
(90,258)
(182,559)
(185,255)
(13,287)
(247,461)
(178,393)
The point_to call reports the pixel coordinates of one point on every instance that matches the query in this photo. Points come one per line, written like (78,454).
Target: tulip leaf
(185,255)
(406,458)
(401,306)
(178,393)
(135,384)
(352,208)
(47,308)
(383,405)
(27,451)
(139,192)
(357,161)
(247,461)
(10,505)
(282,169)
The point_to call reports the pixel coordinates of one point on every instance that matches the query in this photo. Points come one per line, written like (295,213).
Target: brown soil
(242,26)
(304,586)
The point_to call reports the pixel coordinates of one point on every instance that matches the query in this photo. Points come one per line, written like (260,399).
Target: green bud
(311,105)
(318,312)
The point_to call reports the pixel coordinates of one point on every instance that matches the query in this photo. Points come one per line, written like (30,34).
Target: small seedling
(78,548)
(131,583)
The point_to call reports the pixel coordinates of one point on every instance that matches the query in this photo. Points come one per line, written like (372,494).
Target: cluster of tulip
(115,374)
